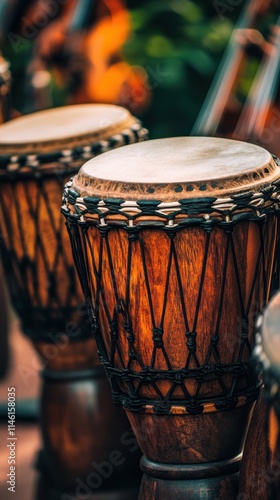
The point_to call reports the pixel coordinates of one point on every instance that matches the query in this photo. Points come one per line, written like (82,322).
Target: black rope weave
(45,315)
(233,381)
(29,164)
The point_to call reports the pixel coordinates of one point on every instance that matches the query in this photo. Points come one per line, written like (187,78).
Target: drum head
(178,168)
(69,126)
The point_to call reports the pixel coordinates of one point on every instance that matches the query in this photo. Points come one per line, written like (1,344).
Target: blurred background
(156,58)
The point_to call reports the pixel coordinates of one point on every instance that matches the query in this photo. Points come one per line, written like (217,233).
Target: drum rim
(197,211)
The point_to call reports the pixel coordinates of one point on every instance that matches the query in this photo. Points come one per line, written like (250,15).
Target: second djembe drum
(260,472)
(175,244)
(38,153)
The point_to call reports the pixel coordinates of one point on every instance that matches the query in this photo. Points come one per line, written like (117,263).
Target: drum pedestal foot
(211,481)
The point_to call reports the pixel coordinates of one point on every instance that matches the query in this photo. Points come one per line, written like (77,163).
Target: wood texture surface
(153,276)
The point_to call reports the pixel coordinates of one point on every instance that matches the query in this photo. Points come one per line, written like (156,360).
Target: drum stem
(189,456)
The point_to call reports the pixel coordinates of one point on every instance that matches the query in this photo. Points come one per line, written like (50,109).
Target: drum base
(211,481)
(86,439)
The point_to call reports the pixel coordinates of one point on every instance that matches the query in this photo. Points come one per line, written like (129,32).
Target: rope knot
(245,329)
(157,337)
(114,330)
(191,341)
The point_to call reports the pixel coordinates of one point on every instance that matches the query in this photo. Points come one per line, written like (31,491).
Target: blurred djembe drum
(260,473)
(175,244)
(38,153)
(5,86)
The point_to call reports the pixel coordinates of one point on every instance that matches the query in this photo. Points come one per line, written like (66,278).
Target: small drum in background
(38,153)
(175,241)
(260,473)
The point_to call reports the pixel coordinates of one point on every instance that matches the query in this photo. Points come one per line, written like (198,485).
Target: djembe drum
(175,244)
(38,153)
(260,472)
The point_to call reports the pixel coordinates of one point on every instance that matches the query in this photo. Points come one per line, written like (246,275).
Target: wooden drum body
(38,153)
(175,241)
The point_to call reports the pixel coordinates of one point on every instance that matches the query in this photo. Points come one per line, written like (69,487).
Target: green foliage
(182,41)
